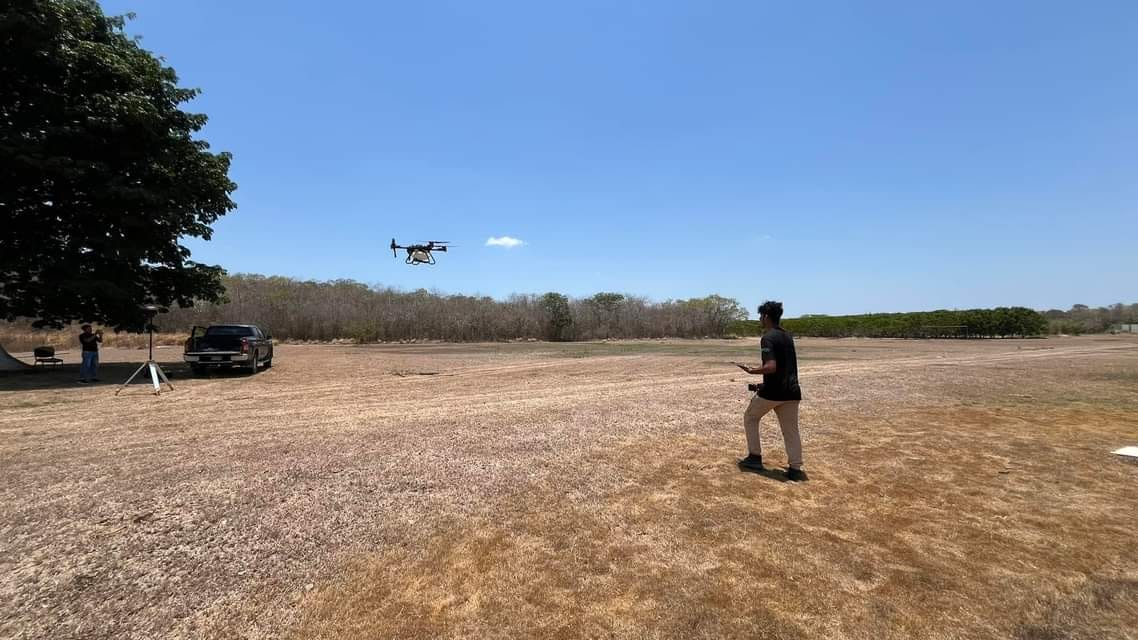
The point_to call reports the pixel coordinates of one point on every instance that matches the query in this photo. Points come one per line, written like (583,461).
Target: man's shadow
(778,475)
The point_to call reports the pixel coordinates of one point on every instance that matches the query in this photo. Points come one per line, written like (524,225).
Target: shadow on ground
(778,475)
(111,374)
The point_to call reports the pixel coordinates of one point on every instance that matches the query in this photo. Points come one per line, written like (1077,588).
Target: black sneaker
(796,475)
(751,463)
(82,382)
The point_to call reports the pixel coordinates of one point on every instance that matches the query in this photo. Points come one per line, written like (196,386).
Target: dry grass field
(958,490)
(23,339)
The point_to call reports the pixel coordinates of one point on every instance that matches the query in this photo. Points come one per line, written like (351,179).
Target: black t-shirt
(90,341)
(783,383)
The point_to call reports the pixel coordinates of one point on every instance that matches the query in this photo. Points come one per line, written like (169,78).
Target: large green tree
(101,176)
(558,316)
(720,312)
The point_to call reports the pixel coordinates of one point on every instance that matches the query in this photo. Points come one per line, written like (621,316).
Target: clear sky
(886,156)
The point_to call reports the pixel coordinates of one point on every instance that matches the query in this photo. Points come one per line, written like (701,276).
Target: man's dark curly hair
(772,310)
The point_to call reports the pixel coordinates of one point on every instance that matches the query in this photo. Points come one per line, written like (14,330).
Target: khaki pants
(787,412)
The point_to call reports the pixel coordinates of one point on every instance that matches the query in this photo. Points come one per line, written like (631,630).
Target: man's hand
(767,368)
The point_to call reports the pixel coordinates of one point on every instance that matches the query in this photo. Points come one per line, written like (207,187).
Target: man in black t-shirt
(89,368)
(779,392)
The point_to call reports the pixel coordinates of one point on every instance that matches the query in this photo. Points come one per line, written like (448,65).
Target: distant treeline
(322,311)
(1083,319)
(307,310)
(1001,322)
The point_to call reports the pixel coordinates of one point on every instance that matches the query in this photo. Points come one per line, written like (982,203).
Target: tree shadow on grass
(111,374)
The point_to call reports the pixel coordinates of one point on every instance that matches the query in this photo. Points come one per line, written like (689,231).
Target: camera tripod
(156,371)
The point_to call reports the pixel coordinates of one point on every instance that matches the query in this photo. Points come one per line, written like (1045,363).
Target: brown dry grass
(958,490)
(20,340)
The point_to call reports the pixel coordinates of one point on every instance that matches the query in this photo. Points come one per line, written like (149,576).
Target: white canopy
(10,363)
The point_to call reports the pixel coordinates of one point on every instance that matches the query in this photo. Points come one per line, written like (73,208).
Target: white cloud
(504,241)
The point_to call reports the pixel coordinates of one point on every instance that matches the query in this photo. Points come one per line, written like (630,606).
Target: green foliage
(100,175)
(558,316)
(745,328)
(606,302)
(605,311)
(1066,327)
(720,312)
(971,323)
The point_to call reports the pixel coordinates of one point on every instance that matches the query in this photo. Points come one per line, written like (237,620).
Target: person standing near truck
(779,392)
(90,340)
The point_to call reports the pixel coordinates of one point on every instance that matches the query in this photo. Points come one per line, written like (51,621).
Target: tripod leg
(154,378)
(131,378)
(162,374)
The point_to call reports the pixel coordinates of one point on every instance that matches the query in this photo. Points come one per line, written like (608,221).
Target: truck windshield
(223,330)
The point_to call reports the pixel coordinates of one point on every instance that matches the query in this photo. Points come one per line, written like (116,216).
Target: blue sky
(886,156)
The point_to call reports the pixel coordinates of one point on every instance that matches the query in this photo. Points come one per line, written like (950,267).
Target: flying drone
(420,253)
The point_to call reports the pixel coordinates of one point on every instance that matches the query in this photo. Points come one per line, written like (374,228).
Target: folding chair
(45,356)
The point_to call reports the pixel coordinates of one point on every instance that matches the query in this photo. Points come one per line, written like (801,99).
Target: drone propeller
(394,247)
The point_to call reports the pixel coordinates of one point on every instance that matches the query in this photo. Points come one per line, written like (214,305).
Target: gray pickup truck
(228,345)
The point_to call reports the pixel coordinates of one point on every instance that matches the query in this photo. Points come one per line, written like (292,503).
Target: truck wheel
(197,369)
(268,364)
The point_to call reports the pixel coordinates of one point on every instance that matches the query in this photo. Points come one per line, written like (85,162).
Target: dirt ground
(957,490)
